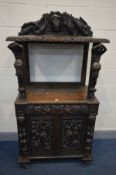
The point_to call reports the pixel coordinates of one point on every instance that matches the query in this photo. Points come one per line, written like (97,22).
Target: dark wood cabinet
(56,119)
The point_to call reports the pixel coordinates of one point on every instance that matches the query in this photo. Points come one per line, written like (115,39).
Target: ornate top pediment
(57,23)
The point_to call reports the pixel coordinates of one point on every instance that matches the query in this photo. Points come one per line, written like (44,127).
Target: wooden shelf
(56,38)
(54,95)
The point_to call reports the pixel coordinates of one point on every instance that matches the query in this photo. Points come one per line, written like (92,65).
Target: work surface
(53,95)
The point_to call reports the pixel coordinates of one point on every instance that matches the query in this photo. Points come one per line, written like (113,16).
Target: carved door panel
(56,135)
(40,135)
(73,135)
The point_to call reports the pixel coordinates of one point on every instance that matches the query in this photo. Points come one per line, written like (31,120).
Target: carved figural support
(97,51)
(18,51)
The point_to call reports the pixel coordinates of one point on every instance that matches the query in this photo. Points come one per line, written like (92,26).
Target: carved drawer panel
(57,109)
(73,134)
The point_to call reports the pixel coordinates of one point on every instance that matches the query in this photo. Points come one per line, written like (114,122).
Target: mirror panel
(55,62)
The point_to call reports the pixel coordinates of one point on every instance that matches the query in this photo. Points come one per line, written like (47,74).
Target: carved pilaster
(22,132)
(97,51)
(90,132)
(18,51)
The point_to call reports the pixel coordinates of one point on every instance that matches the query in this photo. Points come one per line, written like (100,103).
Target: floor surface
(104,162)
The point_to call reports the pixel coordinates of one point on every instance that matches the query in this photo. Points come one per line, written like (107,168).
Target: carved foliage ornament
(57,23)
(57,109)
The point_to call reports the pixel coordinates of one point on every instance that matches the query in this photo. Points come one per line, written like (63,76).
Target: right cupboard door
(73,132)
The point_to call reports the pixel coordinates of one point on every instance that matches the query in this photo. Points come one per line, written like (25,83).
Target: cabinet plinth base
(25,163)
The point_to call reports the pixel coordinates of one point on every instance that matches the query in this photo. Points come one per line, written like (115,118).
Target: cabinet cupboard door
(73,135)
(40,135)
(56,135)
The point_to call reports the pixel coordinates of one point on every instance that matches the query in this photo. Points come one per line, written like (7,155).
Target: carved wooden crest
(57,23)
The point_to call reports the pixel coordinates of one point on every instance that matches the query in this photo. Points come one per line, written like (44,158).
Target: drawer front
(57,109)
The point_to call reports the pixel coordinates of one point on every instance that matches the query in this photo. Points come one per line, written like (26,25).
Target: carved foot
(25,165)
(87,160)
(24,162)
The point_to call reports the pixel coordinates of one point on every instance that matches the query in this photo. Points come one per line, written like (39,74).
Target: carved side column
(90,132)
(97,50)
(18,51)
(21,123)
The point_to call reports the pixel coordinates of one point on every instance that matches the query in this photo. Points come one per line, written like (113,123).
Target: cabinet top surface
(56,38)
(55,96)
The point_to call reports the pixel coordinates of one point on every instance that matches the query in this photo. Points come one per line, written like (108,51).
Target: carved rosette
(71,136)
(18,51)
(22,132)
(97,51)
